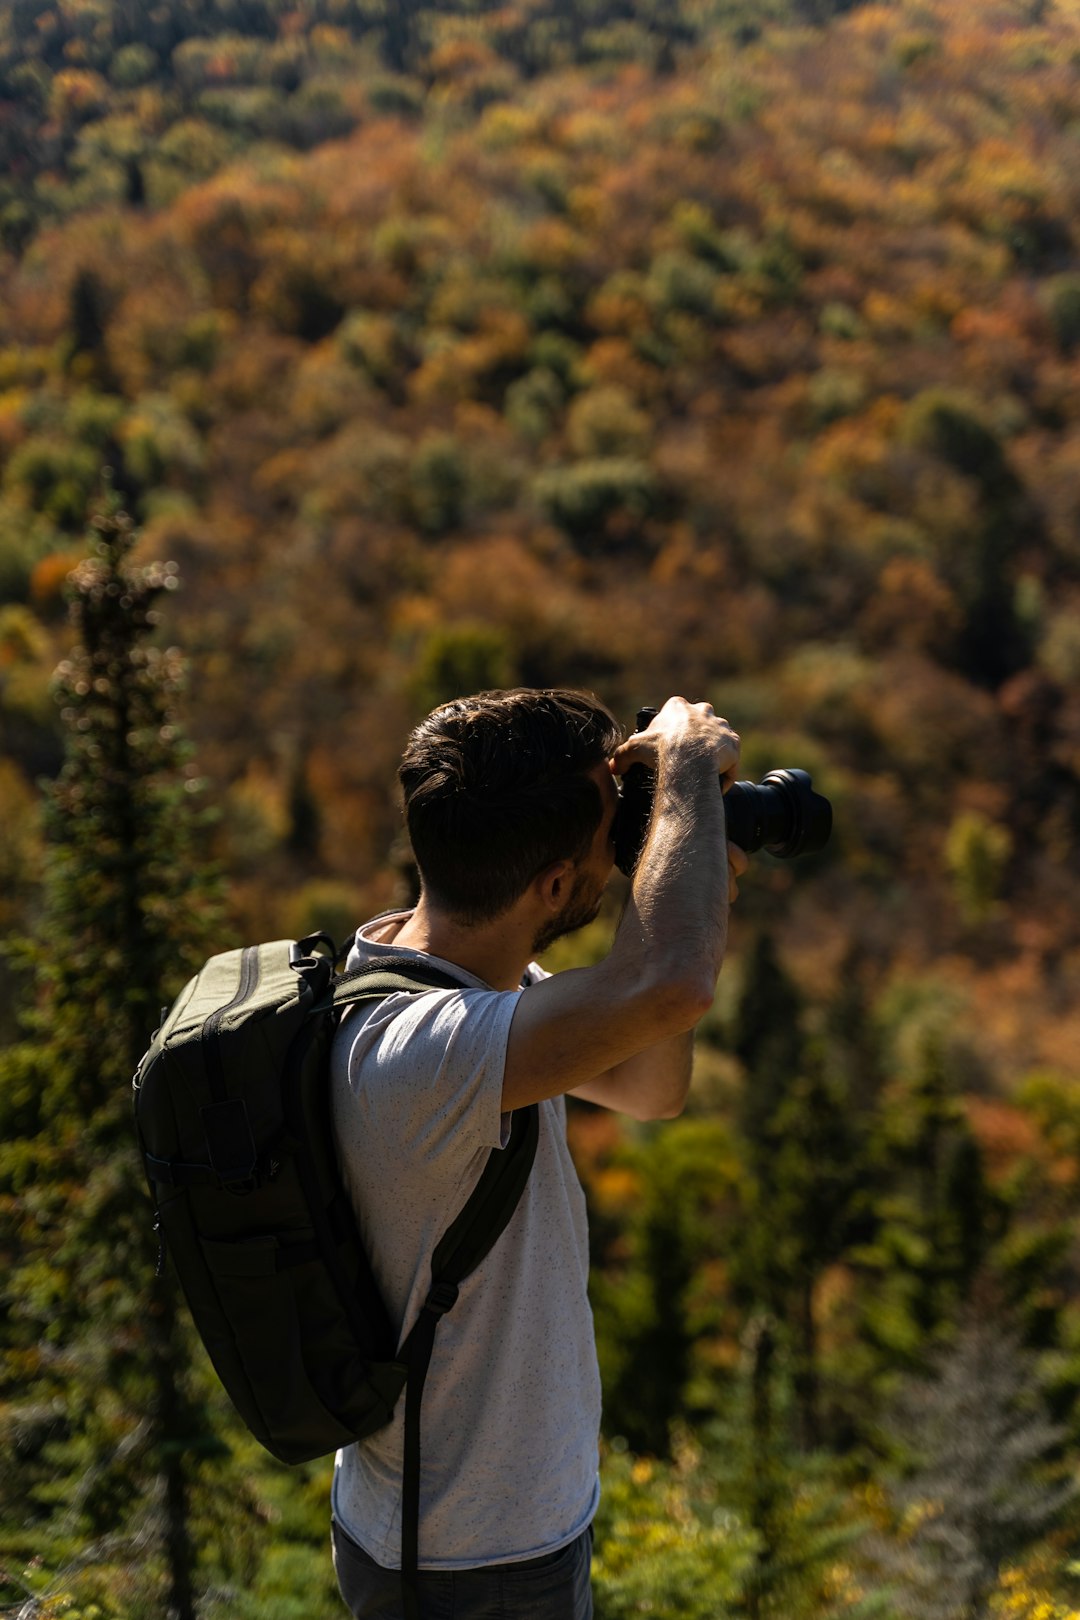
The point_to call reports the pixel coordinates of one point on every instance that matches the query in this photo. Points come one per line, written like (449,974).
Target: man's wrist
(686,756)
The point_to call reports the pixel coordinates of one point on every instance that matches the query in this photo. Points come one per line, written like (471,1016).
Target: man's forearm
(653,1084)
(674,927)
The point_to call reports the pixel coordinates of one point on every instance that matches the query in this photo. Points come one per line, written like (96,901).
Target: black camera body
(781,813)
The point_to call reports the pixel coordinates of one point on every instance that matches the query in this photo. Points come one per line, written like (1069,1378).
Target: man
(510,800)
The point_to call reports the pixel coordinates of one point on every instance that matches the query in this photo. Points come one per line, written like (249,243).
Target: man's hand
(682,728)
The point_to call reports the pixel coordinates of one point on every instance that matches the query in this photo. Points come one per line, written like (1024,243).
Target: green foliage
(584,497)
(533,404)
(460,658)
(54,477)
(977,854)
(438,483)
(805,1523)
(133,65)
(651,1310)
(605,422)
(951,426)
(372,343)
(663,1551)
(678,282)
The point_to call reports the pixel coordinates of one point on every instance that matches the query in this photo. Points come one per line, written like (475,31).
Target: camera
(781,813)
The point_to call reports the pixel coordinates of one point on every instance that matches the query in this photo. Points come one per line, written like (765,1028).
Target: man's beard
(581,908)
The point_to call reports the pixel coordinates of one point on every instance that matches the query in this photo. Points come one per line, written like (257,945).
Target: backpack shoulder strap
(464,1244)
(389,976)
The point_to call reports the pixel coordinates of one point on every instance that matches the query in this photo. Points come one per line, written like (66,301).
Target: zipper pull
(159,1231)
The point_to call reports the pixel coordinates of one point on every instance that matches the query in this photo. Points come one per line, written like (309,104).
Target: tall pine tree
(804,1153)
(104,1432)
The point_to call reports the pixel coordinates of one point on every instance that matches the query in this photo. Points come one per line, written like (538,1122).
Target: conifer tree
(102,1427)
(805,1155)
(934,1218)
(803,1522)
(648,1317)
(767,1037)
(976,1484)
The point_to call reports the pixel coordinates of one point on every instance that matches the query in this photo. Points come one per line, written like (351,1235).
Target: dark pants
(555,1587)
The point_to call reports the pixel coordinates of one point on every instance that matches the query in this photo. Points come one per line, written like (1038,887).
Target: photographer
(510,802)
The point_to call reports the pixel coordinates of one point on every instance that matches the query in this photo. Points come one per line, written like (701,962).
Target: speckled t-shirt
(511,1410)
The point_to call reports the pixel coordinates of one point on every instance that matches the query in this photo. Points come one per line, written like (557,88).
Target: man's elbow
(669,1109)
(682,1002)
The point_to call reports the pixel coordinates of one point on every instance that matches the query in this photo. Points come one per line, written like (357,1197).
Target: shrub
(839,320)
(977,853)
(316,112)
(324,905)
(158,442)
(657,1554)
(581,497)
(250,111)
(606,422)
(55,477)
(533,404)
(438,481)
(133,65)
(461,658)
(949,425)
(678,282)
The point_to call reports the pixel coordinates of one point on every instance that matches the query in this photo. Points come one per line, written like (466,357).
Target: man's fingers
(738,860)
(632,752)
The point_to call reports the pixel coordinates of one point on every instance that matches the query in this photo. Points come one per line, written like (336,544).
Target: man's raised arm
(660,976)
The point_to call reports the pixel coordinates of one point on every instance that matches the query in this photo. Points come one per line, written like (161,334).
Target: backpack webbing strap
(389,976)
(458,1253)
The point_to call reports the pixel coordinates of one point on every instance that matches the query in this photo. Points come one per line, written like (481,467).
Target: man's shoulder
(426,1067)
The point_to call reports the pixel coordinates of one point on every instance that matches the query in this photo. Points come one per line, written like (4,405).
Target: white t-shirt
(511,1408)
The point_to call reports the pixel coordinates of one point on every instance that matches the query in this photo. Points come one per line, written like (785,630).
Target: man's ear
(553,884)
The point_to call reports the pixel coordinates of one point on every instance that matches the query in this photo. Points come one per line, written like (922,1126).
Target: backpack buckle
(240,1189)
(442,1296)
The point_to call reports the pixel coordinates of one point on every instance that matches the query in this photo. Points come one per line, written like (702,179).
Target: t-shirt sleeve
(437,1062)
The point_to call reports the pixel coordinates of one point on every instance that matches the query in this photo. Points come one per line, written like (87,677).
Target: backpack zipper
(215,1068)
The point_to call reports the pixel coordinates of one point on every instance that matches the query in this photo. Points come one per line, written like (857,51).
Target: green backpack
(232,1110)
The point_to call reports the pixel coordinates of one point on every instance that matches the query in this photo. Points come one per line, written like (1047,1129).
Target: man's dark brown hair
(496,789)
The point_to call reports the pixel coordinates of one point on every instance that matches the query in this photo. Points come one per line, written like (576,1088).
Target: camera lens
(781,813)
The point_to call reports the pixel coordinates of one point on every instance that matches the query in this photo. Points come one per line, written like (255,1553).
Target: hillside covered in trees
(701,347)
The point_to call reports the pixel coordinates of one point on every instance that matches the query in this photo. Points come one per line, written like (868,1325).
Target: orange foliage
(1004,1134)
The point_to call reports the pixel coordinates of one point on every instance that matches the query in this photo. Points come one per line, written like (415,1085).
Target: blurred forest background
(721,347)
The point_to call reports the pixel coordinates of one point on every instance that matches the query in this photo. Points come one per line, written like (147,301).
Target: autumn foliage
(709,348)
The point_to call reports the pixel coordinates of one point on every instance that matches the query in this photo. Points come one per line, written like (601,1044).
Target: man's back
(512,1401)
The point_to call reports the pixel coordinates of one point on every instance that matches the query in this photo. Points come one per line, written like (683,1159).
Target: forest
(358,354)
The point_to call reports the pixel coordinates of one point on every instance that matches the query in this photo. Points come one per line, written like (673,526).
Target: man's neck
(497,952)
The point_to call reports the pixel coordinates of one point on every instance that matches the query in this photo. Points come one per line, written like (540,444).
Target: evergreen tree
(767,1038)
(803,1521)
(934,1218)
(805,1154)
(104,1431)
(648,1318)
(976,1484)
(88,316)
